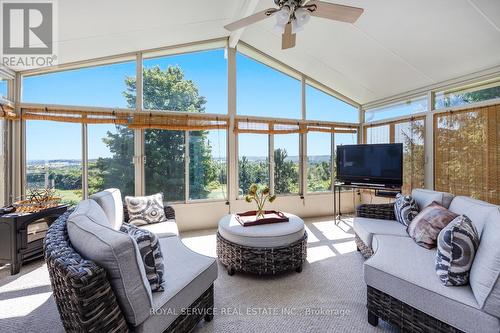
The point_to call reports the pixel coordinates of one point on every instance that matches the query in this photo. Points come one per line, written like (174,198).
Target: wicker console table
(262,249)
(21,236)
(338,186)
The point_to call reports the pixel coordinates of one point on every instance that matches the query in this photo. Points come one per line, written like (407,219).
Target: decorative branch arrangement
(260,197)
(37,199)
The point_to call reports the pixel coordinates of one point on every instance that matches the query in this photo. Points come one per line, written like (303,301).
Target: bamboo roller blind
(7,112)
(245,125)
(139,120)
(182,121)
(467,152)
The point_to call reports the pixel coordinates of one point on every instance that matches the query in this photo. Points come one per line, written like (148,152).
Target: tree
(252,172)
(286,174)
(165,150)
(469,97)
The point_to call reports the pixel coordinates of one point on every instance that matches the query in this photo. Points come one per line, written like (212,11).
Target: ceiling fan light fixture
(296,27)
(283,15)
(282,18)
(279,28)
(302,16)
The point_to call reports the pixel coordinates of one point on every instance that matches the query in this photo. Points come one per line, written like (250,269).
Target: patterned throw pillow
(425,227)
(457,244)
(405,209)
(151,255)
(145,210)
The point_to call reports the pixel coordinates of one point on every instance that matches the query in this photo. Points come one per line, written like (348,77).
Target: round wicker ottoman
(262,249)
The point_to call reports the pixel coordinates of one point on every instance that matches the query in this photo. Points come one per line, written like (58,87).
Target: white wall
(206,215)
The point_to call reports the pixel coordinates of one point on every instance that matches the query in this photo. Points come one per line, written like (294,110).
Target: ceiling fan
(292,15)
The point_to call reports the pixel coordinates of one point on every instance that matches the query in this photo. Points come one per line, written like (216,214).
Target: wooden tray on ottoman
(249,218)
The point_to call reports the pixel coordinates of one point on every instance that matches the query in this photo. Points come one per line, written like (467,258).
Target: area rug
(329,295)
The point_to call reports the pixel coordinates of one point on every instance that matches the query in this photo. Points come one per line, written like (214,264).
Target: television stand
(337,187)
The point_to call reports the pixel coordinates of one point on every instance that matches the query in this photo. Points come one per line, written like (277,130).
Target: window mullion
(303,164)
(332,160)
(85,162)
(271,162)
(186,166)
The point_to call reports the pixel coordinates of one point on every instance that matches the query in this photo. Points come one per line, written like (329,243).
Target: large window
(266,92)
(409,107)
(286,164)
(411,135)
(104,86)
(319,162)
(191,82)
(54,158)
(110,155)
(466,149)
(253,161)
(207,165)
(164,169)
(467,95)
(322,106)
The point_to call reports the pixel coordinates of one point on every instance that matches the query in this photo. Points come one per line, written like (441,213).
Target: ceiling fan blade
(335,12)
(288,39)
(251,19)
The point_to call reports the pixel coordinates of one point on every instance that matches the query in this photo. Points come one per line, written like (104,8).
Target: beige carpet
(328,296)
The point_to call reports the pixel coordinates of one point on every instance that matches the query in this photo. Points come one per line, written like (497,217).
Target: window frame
(231,138)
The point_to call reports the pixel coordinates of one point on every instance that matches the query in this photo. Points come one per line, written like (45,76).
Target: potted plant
(260,197)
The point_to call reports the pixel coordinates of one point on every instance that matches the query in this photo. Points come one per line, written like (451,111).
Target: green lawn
(69,196)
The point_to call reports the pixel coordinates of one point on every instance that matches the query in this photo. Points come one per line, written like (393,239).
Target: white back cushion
(476,210)
(93,238)
(485,270)
(425,197)
(110,201)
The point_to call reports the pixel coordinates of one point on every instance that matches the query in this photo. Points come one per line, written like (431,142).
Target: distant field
(69,196)
(218,193)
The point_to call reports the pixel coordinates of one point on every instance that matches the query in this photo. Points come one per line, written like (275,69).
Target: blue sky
(3,88)
(261,91)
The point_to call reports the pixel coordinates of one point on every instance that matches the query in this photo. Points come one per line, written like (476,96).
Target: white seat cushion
(407,272)
(187,276)
(110,201)
(365,228)
(162,229)
(116,252)
(266,235)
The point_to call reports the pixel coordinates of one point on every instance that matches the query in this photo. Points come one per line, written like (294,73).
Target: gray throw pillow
(145,210)
(405,209)
(151,255)
(456,248)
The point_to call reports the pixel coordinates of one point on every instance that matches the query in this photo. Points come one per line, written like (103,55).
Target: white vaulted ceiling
(395,46)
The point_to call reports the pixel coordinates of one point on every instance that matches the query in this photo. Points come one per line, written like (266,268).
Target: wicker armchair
(373,211)
(85,299)
(82,292)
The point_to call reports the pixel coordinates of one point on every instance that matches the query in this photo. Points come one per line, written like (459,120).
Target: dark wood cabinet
(21,236)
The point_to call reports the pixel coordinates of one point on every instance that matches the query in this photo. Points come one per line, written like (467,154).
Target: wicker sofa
(95,296)
(402,286)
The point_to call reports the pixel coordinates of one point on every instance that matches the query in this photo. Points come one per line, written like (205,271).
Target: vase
(260,214)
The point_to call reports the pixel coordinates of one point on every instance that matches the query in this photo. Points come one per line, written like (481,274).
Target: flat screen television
(375,164)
